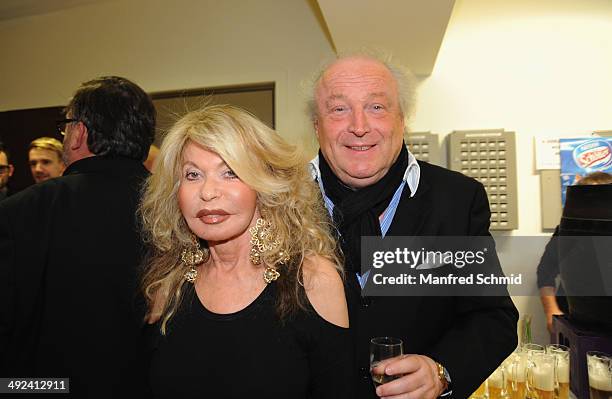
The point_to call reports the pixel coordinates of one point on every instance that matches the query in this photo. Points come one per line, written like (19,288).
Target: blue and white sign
(582,156)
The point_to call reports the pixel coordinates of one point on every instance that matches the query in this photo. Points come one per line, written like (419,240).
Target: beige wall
(165,46)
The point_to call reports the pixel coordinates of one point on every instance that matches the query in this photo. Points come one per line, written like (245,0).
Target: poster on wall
(582,156)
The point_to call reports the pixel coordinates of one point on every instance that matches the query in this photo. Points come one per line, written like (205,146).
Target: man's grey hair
(403,77)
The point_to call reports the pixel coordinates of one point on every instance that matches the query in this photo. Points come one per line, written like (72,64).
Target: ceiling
(411,30)
(10,9)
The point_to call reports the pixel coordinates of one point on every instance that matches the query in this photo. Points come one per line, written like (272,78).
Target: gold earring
(191,257)
(270,274)
(262,241)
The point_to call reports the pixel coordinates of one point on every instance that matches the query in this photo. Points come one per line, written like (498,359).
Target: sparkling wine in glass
(383,348)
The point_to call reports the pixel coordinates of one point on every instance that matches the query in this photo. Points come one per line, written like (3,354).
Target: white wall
(534,67)
(165,45)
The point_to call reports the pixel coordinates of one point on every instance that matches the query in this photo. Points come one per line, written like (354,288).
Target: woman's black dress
(250,353)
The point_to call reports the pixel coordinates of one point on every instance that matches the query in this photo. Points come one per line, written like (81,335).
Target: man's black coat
(469,336)
(69,267)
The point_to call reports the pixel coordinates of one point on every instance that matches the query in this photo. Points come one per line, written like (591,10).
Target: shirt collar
(412,175)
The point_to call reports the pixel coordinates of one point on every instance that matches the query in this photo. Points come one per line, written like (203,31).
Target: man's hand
(549,319)
(551,307)
(419,378)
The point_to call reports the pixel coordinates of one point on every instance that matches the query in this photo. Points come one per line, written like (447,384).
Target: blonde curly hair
(286,195)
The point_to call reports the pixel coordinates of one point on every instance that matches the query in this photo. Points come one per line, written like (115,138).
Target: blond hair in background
(286,196)
(48,143)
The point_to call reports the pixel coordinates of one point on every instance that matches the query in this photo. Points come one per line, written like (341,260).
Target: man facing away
(70,250)
(45,159)
(373,186)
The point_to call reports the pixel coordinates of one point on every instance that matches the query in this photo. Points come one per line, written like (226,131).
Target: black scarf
(356,211)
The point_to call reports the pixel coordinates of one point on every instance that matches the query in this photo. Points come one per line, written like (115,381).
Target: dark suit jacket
(5,194)
(469,336)
(69,269)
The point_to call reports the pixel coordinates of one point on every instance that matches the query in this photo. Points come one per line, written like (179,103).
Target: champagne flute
(383,348)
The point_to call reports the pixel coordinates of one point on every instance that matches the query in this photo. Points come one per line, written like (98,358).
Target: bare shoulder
(325,290)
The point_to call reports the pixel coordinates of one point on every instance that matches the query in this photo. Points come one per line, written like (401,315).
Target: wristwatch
(444,379)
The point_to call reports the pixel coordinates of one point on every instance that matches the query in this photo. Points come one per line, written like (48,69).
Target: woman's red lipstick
(212,216)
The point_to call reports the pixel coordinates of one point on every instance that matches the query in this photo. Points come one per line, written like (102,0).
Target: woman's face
(215,203)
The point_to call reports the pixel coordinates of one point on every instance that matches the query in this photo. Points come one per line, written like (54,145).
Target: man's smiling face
(359,122)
